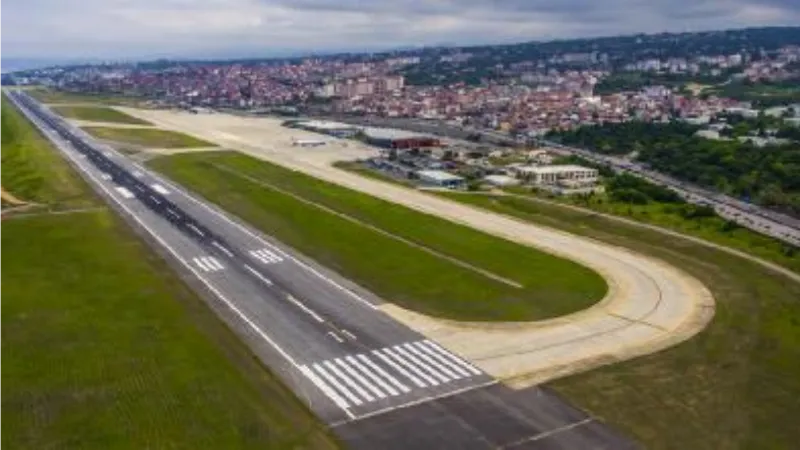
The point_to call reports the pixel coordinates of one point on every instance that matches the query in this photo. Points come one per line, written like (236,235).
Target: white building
(500,180)
(560,174)
(441,178)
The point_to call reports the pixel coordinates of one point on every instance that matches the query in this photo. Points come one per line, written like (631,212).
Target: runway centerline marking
(335,336)
(306,309)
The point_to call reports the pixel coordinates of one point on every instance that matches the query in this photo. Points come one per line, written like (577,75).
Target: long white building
(560,174)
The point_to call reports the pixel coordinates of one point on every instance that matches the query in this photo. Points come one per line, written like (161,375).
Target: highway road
(759,219)
(372,379)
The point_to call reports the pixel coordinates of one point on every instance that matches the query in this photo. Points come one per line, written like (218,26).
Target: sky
(147,29)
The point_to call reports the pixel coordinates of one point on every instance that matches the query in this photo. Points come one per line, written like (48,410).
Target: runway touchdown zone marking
(388,372)
(124,192)
(208,264)
(266,256)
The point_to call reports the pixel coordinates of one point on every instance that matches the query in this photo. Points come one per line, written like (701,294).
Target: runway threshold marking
(384,373)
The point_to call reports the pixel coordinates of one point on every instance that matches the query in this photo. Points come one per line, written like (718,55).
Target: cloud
(206,28)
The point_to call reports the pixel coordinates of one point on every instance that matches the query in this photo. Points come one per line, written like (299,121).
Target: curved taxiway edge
(650,305)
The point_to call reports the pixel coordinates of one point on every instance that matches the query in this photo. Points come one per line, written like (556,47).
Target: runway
(351,363)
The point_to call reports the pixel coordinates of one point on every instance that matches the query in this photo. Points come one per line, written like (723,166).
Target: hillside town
(531,97)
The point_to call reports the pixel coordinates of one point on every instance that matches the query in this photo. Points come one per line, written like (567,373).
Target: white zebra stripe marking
(384,374)
(441,359)
(397,367)
(428,379)
(364,378)
(354,362)
(378,393)
(420,364)
(343,390)
(359,390)
(324,387)
(431,361)
(452,357)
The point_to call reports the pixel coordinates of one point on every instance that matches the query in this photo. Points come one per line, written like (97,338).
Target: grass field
(713,229)
(51,96)
(104,348)
(394,270)
(98,114)
(29,171)
(148,137)
(734,386)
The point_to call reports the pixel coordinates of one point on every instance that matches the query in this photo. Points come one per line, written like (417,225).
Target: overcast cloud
(215,28)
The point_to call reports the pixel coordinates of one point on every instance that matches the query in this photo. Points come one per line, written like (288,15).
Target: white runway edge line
(375,377)
(175,255)
(224,217)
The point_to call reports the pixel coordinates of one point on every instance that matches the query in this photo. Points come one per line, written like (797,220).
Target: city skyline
(49,29)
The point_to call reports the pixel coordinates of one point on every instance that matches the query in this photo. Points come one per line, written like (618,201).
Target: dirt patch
(10,199)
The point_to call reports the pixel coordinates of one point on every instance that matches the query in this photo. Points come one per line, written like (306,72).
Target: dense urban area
(719,109)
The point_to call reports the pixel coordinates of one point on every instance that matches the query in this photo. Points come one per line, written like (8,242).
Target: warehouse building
(398,139)
(441,179)
(340,130)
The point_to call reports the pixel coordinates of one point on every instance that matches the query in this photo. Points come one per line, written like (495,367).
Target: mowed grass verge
(735,385)
(97,114)
(395,270)
(713,229)
(147,137)
(29,169)
(51,96)
(104,348)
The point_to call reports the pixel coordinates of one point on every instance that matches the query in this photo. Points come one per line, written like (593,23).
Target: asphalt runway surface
(366,375)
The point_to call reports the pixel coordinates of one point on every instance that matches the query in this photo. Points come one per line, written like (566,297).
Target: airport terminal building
(398,139)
